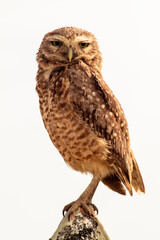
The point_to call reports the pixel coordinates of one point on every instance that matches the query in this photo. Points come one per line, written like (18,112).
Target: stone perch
(80,227)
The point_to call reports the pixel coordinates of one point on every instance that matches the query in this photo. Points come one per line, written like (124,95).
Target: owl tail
(117,181)
(115,184)
(137,181)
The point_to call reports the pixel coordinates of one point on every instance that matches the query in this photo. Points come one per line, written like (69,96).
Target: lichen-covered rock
(80,227)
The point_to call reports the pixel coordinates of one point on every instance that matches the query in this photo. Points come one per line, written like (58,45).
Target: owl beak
(70,54)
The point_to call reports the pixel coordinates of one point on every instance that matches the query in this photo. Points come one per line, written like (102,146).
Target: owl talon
(94,207)
(67,207)
(72,207)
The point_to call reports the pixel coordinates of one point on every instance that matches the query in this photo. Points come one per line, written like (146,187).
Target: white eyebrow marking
(77,38)
(56,37)
(83,38)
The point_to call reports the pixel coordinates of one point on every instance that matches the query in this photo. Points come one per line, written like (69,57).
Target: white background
(35,183)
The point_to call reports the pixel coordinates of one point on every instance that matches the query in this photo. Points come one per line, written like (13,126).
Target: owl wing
(103,113)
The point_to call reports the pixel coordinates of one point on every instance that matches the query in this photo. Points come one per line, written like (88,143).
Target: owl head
(68,45)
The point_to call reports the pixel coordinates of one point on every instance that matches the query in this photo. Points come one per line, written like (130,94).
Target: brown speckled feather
(102,112)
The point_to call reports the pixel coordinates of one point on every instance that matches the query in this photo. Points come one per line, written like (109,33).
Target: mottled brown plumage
(82,116)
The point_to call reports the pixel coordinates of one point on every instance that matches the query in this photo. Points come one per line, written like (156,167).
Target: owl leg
(84,201)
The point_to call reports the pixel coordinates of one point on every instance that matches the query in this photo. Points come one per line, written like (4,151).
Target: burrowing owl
(84,119)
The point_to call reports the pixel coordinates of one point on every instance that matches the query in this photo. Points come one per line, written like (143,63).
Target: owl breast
(78,144)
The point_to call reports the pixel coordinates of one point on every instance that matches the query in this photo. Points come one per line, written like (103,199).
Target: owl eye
(56,43)
(84,44)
